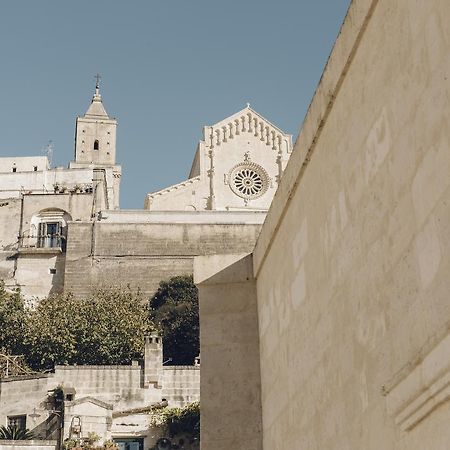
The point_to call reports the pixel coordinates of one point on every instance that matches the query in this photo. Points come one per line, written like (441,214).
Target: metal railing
(56,241)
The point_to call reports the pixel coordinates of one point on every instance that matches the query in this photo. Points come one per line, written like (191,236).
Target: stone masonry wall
(181,384)
(141,255)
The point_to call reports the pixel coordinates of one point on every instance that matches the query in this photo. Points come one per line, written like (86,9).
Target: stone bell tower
(95,148)
(95,135)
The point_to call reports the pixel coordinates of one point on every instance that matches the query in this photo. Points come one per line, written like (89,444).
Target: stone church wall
(352,262)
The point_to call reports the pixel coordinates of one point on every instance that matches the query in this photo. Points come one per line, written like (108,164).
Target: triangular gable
(242,112)
(248,121)
(93,400)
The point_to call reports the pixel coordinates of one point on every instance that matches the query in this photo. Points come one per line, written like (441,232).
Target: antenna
(48,151)
(97,77)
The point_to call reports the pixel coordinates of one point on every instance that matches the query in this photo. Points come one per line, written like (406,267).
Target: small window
(52,271)
(69,397)
(19,422)
(35,168)
(14,169)
(96,145)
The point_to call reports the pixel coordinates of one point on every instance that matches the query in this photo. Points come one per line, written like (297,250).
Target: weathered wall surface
(181,384)
(143,254)
(28,445)
(352,263)
(10,213)
(39,271)
(22,395)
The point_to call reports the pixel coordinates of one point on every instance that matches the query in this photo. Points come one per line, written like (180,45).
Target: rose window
(248,180)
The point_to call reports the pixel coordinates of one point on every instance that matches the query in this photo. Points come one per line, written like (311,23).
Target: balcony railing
(43,241)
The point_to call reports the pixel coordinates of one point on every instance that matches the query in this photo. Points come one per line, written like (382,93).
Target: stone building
(37,203)
(114,402)
(63,229)
(334,332)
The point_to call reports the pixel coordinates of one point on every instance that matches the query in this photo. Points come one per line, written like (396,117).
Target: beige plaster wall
(22,395)
(10,211)
(23,164)
(352,263)
(13,184)
(230,377)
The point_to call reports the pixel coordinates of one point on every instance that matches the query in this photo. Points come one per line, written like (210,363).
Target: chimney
(153,360)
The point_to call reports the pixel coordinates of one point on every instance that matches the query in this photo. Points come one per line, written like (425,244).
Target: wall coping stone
(27,443)
(87,367)
(26,377)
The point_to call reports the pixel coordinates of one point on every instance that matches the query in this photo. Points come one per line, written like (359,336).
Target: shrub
(174,308)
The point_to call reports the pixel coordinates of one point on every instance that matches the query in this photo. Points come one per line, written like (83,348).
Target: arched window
(48,229)
(96,144)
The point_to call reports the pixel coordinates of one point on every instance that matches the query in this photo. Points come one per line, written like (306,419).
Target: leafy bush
(179,421)
(174,308)
(12,433)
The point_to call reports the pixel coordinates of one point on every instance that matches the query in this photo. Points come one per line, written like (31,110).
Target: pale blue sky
(169,67)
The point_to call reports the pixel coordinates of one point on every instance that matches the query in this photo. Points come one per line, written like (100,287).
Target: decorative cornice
(174,187)
(247,122)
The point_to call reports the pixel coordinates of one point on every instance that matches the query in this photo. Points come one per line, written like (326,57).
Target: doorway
(130,444)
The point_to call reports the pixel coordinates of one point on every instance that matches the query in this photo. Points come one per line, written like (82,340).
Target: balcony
(42,244)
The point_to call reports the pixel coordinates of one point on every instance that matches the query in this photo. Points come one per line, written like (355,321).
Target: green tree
(12,320)
(174,308)
(105,328)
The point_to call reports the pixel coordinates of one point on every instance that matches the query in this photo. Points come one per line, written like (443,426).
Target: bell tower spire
(95,136)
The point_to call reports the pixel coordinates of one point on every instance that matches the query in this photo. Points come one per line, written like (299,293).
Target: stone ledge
(422,389)
(181,368)
(28,443)
(86,367)
(40,250)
